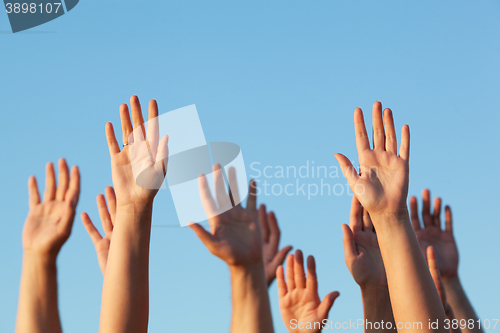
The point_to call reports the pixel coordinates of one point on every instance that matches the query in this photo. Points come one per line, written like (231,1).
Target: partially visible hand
(235,235)
(382,183)
(300,305)
(107,217)
(49,223)
(139,169)
(361,250)
(271,236)
(431,234)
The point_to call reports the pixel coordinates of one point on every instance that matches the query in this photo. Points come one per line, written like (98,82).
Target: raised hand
(300,305)
(361,250)
(139,169)
(49,223)
(107,217)
(235,235)
(382,183)
(271,237)
(46,229)
(432,234)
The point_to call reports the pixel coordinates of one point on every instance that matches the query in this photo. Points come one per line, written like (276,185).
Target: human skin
(235,237)
(442,240)
(301,308)
(382,188)
(125,292)
(364,260)
(47,228)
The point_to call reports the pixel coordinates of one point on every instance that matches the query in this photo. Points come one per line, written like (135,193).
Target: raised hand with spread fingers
(235,237)
(138,171)
(47,228)
(382,188)
(364,260)
(443,245)
(301,308)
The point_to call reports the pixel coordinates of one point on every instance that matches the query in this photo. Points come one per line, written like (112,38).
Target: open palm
(432,234)
(139,169)
(49,223)
(235,235)
(298,296)
(361,249)
(382,183)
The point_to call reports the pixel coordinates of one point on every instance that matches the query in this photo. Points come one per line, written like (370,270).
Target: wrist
(39,258)
(451,282)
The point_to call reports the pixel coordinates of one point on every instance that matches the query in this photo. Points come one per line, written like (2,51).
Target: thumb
(279,258)
(206,237)
(327,303)
(349,171)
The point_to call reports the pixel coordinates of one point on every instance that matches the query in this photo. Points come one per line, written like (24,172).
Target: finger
(378,127)
(404,148)
(137,119)
(436,276)
(206,238)
(104,214)
(63,180)
(233,186)
(264,227)
(153,126)
(327,303)
(426,208)
(362,142)
(50,183)
(356,220)
(415,222)
(73,192)
(111,198)
(367,221)
(437,212)
(206,197)
(391,144)
(274,231)
(448,219)
(252,195)
(94,234)
(279,258)
(290,276)
(350,250)
(348,170)
(220,189)
(280,279)
(298,268)
(34,196)
(127,129)
(312,279)
(111,139)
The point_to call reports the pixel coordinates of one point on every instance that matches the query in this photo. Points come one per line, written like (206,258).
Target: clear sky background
(279,78)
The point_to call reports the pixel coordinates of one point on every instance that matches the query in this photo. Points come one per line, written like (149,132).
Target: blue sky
(281,79)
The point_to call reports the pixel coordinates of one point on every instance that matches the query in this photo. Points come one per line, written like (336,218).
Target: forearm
(125,294)
(460,304)
(413,295)
(37,309)
(377,309)
(250,300)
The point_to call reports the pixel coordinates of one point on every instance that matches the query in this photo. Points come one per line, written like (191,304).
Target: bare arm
(125,294)
(382,188)
(235,237)
(46,229)
(432,233)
